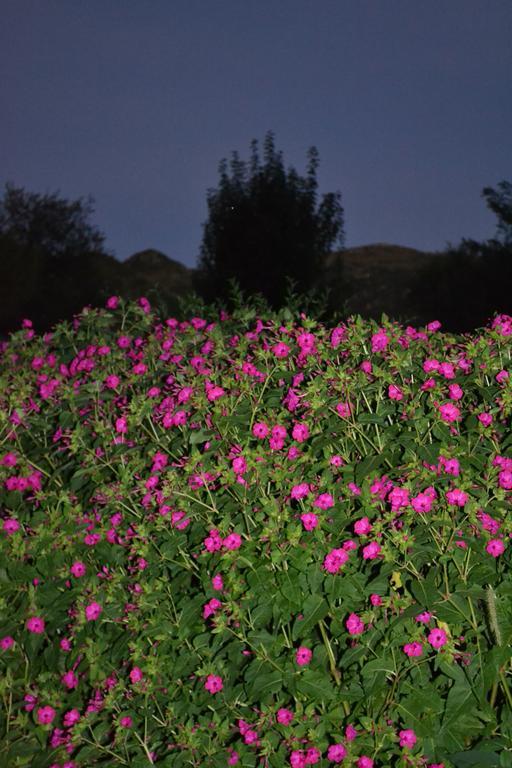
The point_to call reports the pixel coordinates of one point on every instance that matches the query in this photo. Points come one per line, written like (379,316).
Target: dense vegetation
(253,539)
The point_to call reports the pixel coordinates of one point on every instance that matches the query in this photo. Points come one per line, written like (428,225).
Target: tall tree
(265,224)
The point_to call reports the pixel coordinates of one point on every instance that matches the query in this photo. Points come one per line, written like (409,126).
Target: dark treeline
(267,231)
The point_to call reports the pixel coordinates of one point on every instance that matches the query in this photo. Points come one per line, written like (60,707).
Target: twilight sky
(135,102)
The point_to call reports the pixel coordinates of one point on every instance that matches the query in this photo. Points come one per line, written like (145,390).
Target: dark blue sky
(135,102)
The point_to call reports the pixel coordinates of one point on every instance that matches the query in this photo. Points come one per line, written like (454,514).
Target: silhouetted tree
(52,259)
(265,225)
(467,284)
(500,202)
(57,226)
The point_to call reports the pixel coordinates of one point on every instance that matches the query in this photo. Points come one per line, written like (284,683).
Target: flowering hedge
(255,541)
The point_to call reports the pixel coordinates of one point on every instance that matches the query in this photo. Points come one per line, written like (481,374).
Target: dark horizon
(408,106)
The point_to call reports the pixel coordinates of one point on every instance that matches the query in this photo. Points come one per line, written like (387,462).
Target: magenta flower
(284,716)
(371,551)
(395,393)
(45,715)
(407,738)
(78,569)
(495,547)
(380,341)
(309,521)
(324,501)
(35,625)
(300,432)
(126,721)
(336,753)
(281,349)
(136,675)
(424,617)
(6,643)
(364,762)
(457,498)
(449,413)
(70,680)
(71,718)
(334,560)
(299,491)
(92,611)
(362,526)
(217,582)
(422,502)
(376,600)
(10,526)
(260,430)
(213,684)
(437,637)
(354,625)
(413,649)
(232,541)
(303,656)
(312,756)
(298,758)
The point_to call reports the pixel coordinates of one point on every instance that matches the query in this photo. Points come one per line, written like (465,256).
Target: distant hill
(378,278)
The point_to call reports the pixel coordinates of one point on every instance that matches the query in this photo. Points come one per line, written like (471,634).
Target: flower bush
(255,540)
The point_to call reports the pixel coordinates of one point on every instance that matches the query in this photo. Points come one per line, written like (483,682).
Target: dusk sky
(135,102)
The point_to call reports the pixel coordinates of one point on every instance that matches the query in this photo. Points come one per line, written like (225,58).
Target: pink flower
(284,716)
(455,392)
(303,656)
(324,501)
(217,582)
(413,649)
(300,432)
(113,302)
(232,541)
(126,721)
(422,502)
(354,625)
(495,547)
(336,753)
(350,733)
(505,479)
(334,560)
(260,430)
(457,498)
(371,551)
(312,756)
(136,675)
(233,758)
(6,643)
(449,413)
(78,569)
(437,638)
(281,349)
(309,521)
(362,526)
(299,491)
(45,715)
(380,341)
(92,611)
(343,410)
(35,625)
(298,758)
(10,526)
(485,419)
(121,425)
(364,762)
(213,684)
(424,617)
(395,393)
(210,607)
(407,738)
(376,600)
(71,718)
(70,680)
